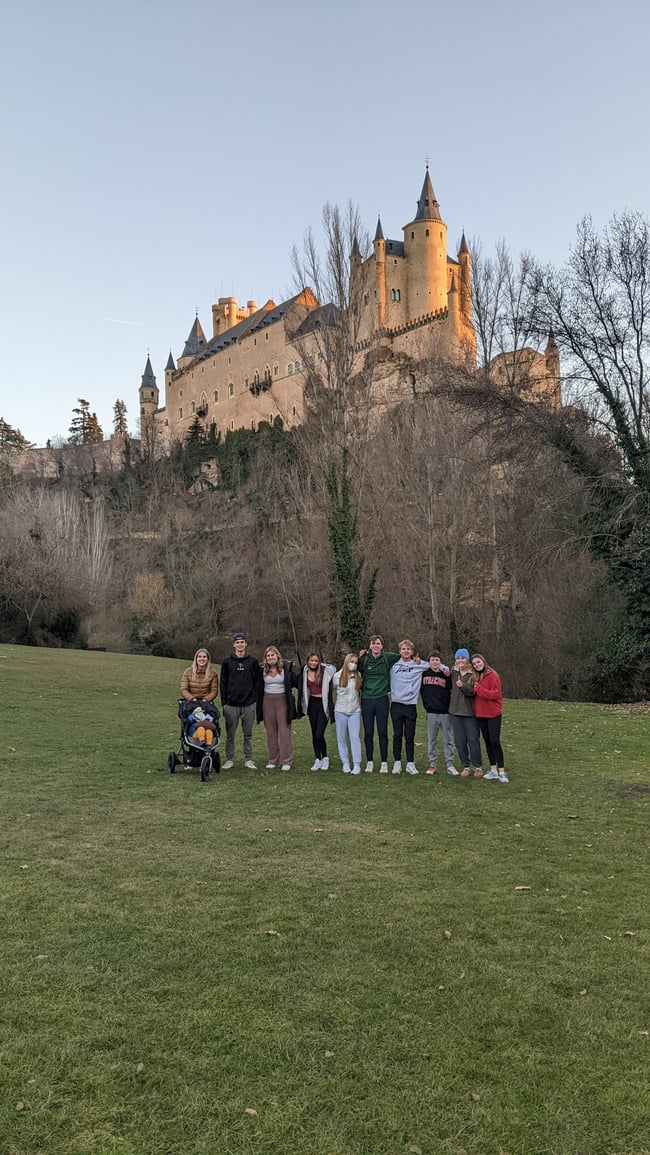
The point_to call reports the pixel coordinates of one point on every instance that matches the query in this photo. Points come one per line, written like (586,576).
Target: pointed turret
(148,392)
(463,247)
(428,207)
(194,344)
(425,249)
(170,364)
(465,265)
(553,378)
(379,232)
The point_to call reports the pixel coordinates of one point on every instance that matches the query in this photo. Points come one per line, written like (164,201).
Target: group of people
(463,703)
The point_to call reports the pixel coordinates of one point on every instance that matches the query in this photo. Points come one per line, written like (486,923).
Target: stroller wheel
(216,761)
(206,766)
(171,762)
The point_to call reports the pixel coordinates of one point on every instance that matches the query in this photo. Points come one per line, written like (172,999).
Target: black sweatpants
(403,719)
(491,731)
(318,722)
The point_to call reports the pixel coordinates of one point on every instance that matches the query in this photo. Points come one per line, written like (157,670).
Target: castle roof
(170,363)
(428,207)
(267,315)
(464,247)
(379,232)
(148,377)
(396,248)
(195,342)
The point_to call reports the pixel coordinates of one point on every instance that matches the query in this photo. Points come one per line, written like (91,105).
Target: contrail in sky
(119,321)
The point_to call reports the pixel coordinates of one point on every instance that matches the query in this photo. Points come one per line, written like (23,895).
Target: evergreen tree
(120,428)
(353,606)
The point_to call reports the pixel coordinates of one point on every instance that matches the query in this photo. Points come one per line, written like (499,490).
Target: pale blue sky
(160,153)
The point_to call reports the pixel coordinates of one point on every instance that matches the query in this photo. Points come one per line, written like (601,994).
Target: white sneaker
(324,763)
(503,777)
(397,768)
(317,764)
(369,767)
(346,768)
(271,766)
(356,769)
(453,771)
(285,766)
(491,776)
(250,765)
(383,769)
(411,768)
(228,765)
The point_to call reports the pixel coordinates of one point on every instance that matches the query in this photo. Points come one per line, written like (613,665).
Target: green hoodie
(376,673)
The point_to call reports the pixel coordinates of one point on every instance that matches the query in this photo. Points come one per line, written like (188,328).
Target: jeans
(375,710)
(348,726)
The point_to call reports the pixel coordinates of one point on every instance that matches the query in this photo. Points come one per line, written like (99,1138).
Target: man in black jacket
(241,675)
(436,693)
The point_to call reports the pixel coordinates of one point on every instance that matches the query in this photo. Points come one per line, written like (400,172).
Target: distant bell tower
(148,392)
(425,249)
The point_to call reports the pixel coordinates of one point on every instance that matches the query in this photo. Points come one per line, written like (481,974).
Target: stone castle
(415,302)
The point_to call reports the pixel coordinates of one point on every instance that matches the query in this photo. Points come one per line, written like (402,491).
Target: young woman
(467,735)
(276,708)
(199,681)
(315,699)
(347,713)
(488,704)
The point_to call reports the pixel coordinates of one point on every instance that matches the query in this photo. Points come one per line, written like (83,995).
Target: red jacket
(488,699)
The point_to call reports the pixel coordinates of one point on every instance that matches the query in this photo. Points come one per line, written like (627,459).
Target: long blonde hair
(207,672)
(280,666)
(345,672)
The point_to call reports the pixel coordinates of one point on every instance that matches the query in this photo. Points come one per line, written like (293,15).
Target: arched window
(231,388)
(180,414)
(290,369)
(192,408)
(215,396)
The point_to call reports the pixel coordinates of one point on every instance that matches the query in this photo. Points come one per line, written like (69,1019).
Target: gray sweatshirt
(405,681)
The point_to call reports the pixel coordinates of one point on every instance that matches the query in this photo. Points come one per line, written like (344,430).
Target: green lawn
(148,1010)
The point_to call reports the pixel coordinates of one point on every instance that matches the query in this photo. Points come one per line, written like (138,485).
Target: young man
(436,692)
(374,666)
(241,675)
(405,682)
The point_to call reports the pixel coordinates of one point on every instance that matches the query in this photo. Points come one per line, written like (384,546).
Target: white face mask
(352,665)
(272,661)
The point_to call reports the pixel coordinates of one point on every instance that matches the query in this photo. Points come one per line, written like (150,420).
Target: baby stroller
(192,752)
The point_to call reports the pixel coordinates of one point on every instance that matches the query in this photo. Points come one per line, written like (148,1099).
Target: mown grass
(146,1006)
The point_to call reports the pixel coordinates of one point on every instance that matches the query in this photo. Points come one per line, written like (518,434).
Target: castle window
(297,366)
(152,392)
(230,360)
(412,236)
(192,408)
(365,298)
(142,411)
(266,336)
(276,369)
(270,418)
(426,232)
(441,234)
(180,392)
(166,422)
(395,261)
(390,245)
(290,369)
(215,396)
(253,426)
(395,294)
(231,388)
(232,424)
(255,340)
(293,410)
(180,414)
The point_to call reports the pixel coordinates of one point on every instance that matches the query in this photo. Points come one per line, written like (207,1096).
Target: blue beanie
(462,654)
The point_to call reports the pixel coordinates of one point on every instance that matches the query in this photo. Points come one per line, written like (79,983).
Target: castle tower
(379,246)
(552,361)
(148,392)
(465,263)
(170,369)
(195,342)
(425,249)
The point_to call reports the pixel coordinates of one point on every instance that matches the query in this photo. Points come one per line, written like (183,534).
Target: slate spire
(428,207)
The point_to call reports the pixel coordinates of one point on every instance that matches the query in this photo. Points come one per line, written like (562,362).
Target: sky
(159,154)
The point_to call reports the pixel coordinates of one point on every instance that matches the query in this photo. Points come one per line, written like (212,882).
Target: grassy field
(312,964)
